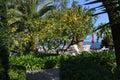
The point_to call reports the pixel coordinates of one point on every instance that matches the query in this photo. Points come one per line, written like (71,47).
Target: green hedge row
(19,65)
(36,62)
(17,72)
(95,66)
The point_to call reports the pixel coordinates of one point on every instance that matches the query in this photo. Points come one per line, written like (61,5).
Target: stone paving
(47,74)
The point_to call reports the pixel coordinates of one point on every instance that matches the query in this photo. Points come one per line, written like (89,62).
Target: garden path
(47,74)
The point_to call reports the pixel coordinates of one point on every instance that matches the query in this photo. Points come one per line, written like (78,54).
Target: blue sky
(103,18)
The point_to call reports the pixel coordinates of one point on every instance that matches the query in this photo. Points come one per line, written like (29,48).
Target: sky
(103,18)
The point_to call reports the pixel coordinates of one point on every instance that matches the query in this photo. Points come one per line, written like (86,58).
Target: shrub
(36,62)
(89,67)
(50,62)
(17,72)
(94,66)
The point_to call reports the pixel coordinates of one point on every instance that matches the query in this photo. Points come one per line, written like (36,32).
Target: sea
(95,45)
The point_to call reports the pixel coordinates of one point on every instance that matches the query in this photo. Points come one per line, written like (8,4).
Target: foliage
(107,42)
(4,62)
(60,25)
(105,33)
(114,17)
(69,21)
(33,62)
(96,66)
(17,72)
(24,21)
(33,27)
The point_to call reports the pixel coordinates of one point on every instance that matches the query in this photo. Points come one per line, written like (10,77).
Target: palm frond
(100,27)
(99,13)
(14,12)
(14,16)
(99,7)
(92,2)
(44,5)
(45,9)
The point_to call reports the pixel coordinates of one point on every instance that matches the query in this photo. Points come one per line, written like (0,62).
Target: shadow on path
(47,74)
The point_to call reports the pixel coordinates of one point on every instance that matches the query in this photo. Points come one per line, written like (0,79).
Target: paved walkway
(47,74)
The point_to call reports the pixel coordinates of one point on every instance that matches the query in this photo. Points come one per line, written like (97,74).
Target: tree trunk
(74,41)
(80,45)
(78,41)
(115,28)
(4,56)
(116,39)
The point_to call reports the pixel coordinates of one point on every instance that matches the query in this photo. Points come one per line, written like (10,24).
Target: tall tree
(112,7)
(27,14)
(62,24)
(4,61)
(105,33)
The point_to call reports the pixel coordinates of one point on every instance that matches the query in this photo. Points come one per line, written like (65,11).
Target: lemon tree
(60,24)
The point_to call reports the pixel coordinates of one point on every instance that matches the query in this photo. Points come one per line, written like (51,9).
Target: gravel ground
(47,74)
